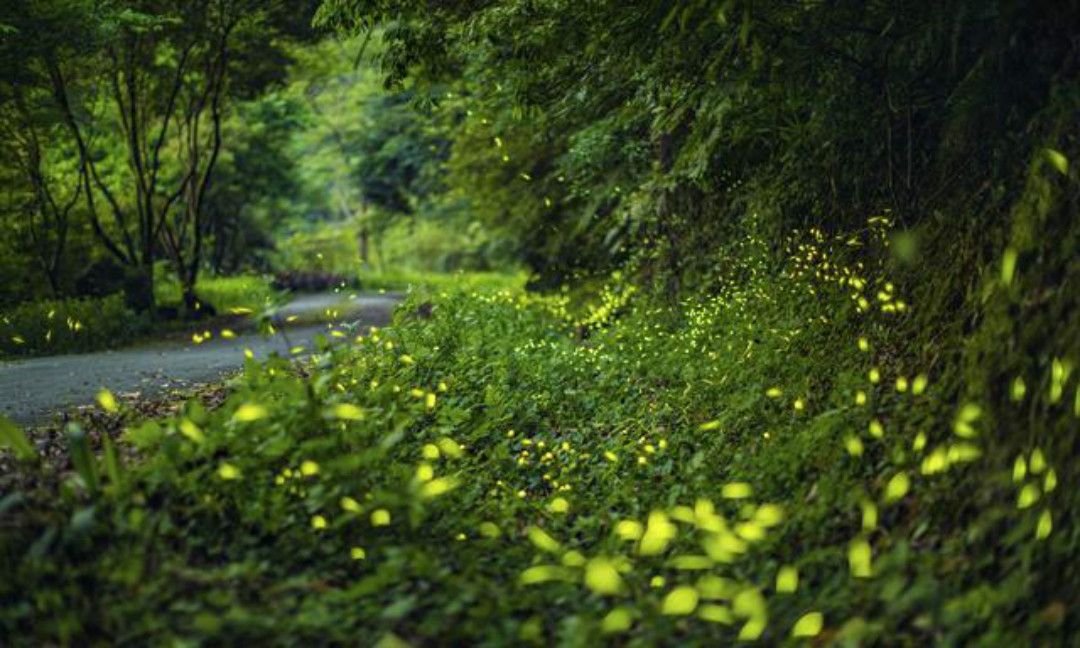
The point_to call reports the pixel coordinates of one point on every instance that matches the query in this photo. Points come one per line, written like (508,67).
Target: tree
(142,87)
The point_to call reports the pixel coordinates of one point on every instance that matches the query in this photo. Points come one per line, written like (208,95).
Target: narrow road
(33,390)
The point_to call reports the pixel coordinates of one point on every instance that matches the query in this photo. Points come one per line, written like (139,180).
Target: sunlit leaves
(876,429)
(1008,266)
(574,558)
(1029,495)
(629,530)
(918,386)
(769,515)
(437,487)
(1018,389)
(859,558)
(1050,481)
(347,412)
(542,540)
(618,620)
(559,505)
(962,424)
(936,462)
(1044,526)
(249,412)
(424,472)
(1057,160)
(919,443)
(869,515)
(736,490)
(680,601)
(787,579)
(749,604)
(191,431)
(809,625)
(659,531)
(228,471)
(602,577)
(897,487)
(1059,374)
(450,448)
(1037,462)
(716,614)
(545,573)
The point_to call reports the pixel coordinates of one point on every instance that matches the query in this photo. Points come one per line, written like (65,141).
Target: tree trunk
(365,252)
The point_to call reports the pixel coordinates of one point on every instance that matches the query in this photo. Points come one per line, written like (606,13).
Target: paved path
(32,390)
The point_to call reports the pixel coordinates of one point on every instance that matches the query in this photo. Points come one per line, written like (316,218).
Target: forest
(535,322)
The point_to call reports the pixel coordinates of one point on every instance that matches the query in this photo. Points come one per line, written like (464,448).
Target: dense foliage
(772,461)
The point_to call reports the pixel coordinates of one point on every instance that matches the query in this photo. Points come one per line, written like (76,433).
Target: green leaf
(113,466)
(897,487)
(81,457)
(542,540)
(602,577)
(787,580)
(13,437)
(680,601)
(809,625)
(616,621)
(1058,160)
(859,559)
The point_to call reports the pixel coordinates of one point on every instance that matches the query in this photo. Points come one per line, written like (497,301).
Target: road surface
(33,390)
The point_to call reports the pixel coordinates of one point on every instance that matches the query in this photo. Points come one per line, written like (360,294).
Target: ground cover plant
(769,462)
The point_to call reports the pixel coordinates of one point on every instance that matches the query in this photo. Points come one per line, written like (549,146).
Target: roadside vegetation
(82,324)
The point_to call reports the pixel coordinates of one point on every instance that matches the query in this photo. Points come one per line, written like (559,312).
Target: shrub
(69,326)
(223,293)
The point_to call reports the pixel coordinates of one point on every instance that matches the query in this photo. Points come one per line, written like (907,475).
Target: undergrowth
(767,460)
(80,325)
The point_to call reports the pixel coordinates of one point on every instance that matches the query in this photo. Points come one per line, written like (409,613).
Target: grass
(770,460)
(223,293)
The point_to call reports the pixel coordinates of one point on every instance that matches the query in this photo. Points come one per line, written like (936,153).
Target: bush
(69,326)
(223,293)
